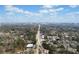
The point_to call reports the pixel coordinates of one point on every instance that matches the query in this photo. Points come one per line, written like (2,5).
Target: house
(54,38)
(29,45)
(30,48)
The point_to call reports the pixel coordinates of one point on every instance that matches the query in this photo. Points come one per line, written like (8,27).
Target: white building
(30,46)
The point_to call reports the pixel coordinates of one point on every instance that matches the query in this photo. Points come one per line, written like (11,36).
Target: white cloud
(17,10)
(56,10)
(12,9)
(59,9)
(47,6)
(73,6)
(47,13)
(43,11)
(50,10)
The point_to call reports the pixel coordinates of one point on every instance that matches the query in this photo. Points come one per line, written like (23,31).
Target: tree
(19,43)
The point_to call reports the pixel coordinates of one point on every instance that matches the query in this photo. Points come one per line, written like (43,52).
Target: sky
(39,13)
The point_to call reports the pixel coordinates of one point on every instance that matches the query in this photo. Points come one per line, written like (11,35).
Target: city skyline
(39,13)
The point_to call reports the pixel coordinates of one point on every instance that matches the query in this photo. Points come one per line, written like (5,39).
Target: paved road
(38,43)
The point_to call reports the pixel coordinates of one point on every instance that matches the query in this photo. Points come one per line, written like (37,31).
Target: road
(38,42)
